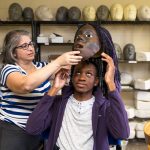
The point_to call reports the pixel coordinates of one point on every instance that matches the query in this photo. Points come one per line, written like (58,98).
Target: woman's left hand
(61,78)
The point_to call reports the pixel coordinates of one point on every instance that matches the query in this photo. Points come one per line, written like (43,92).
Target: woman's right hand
(69,58)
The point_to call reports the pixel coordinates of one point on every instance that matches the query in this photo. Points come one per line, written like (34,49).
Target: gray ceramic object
(118,51)
(28,14)
(15,12)
(74,14)
(62,14)
(44,13)
(129,52)
(102,13)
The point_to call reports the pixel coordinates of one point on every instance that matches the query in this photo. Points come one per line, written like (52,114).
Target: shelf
(36,25)
(72,22)
(132,61)
(98,22)
(130,88)
(7,23)
(126,22)
(135,140)
(142,90)
(127,90)
(56,44)
(138,119)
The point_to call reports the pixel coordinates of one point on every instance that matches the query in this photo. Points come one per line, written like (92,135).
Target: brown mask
(87,42)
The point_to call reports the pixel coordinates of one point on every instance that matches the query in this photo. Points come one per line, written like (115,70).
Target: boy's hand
(110,71)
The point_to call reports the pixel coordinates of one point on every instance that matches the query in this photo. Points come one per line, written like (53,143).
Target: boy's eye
(77,73)
(88,75)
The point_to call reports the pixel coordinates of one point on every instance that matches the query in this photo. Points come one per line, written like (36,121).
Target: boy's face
(87,42)
(84,78)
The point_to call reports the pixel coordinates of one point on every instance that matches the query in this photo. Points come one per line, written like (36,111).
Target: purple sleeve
(40,118)
(117,120)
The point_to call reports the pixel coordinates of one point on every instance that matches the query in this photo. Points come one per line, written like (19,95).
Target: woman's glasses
(25,46)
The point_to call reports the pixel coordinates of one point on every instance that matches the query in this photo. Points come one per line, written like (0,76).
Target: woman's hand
(110,71)
(60,80)
(69,58)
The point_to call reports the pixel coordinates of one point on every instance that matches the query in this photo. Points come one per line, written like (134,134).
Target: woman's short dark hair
(107,46)
(11,41)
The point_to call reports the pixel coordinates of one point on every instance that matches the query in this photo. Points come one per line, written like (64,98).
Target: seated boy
(82,117)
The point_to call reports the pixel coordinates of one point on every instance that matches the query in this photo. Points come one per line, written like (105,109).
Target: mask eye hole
(88,35)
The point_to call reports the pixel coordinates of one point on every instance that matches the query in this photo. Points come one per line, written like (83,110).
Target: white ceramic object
(116,12)
(130,12)
(89,13)
(143,13)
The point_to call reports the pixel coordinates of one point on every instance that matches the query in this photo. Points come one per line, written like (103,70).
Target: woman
(23,83)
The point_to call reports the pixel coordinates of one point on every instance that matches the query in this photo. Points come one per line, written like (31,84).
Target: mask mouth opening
(78,46)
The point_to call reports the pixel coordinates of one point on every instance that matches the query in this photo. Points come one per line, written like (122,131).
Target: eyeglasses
(25,46)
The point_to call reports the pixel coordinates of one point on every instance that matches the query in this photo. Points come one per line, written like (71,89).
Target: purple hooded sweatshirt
(108,116)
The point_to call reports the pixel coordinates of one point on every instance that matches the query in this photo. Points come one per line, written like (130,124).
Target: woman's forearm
(36,78)
(26,83)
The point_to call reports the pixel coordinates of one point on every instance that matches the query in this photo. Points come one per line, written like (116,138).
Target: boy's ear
(96,81)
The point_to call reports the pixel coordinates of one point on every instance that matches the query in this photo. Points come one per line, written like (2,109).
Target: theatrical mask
(116,12)
(102,13)
(15,12)
(28,14)
(89,13)
(62,14)
(43,13)
(118,51)
(129,52)
(74,14)
(143,13)
(87,42)
(130,12)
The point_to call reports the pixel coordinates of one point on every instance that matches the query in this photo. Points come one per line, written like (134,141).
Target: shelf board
(131,88)
(2,23)
(56,44)
(148,90)
(132,61)
(126,22)
(138,119)
(69,23)
(98,22)
(127,90)
(135,140)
